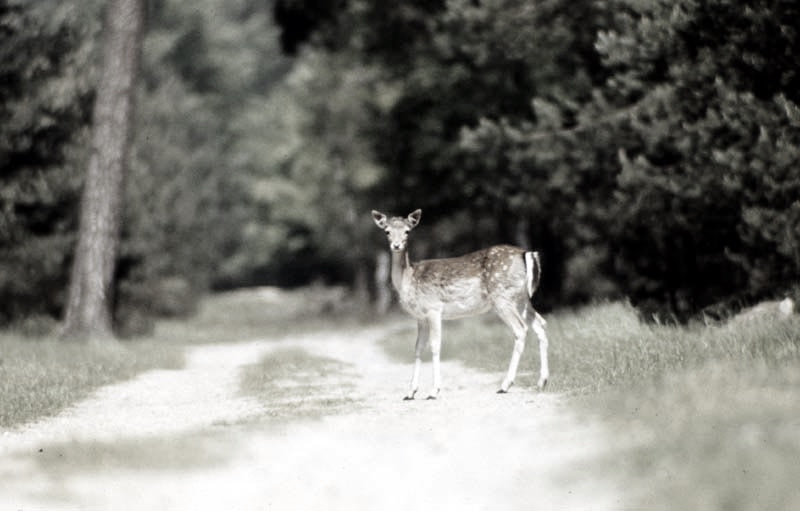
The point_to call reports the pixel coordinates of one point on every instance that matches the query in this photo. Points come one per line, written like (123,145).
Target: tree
(88,312)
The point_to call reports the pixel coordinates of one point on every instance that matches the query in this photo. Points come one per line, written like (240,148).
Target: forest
(648,149)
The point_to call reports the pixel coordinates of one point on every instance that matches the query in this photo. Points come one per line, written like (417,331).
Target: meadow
(706,416)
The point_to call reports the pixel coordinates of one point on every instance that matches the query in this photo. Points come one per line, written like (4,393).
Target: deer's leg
(538,323)
(422,342)
(516,321)
(435,331)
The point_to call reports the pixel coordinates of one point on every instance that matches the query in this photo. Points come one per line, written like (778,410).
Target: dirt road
(188,440)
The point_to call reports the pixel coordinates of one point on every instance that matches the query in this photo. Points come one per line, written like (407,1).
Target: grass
(40,377)
(708,417)
(292,383)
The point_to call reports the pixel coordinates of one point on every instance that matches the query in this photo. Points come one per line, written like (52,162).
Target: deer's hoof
(504,387)
(542,384)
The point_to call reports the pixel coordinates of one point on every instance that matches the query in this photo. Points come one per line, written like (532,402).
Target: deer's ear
(413,218)
(379,218)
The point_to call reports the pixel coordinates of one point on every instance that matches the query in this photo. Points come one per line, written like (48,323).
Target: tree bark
(383,267)
(88,311)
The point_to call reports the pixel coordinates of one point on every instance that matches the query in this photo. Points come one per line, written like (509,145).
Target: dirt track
(175,440)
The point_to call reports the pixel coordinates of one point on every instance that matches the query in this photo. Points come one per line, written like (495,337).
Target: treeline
(648,149)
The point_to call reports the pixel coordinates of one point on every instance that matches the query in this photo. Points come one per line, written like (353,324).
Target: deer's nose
(397,246)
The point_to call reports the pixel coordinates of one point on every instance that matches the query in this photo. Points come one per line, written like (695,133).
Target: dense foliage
(45,103)
(708,185)
(646,148)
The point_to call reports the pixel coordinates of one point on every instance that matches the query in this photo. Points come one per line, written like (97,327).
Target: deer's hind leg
(512,316)
(537,324)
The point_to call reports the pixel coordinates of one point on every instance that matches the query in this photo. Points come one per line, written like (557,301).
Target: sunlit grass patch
(40,377)
(292,383)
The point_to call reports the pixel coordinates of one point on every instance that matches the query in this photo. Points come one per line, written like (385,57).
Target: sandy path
(471,449)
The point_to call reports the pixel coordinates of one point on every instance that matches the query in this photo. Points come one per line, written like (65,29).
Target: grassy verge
(294,384)
(708,417)
(40,377)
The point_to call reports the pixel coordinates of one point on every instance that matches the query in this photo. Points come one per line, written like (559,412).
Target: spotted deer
(501,278)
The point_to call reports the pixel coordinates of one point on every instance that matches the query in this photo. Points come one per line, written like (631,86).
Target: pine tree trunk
(383,291)
(88,312)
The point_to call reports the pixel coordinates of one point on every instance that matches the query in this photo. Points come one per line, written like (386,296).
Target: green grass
(707,417)
(40,377)
(294,384)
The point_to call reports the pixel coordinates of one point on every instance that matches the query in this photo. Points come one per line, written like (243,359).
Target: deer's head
(397,228)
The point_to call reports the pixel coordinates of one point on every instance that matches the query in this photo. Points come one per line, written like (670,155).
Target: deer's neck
(400,265)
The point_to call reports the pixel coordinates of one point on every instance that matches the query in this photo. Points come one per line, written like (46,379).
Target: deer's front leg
(435,327)
(422,342)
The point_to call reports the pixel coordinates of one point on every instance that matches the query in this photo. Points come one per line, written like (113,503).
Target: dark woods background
(649,149)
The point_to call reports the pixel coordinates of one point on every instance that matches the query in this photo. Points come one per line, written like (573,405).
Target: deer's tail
(533,272)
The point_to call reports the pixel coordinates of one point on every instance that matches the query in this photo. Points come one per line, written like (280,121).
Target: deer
(501,278)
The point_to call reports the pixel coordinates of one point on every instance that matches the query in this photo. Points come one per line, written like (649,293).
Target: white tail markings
(532,271)
(502,278)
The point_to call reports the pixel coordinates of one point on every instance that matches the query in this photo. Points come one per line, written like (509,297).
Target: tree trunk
(383,267)
(88,312)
